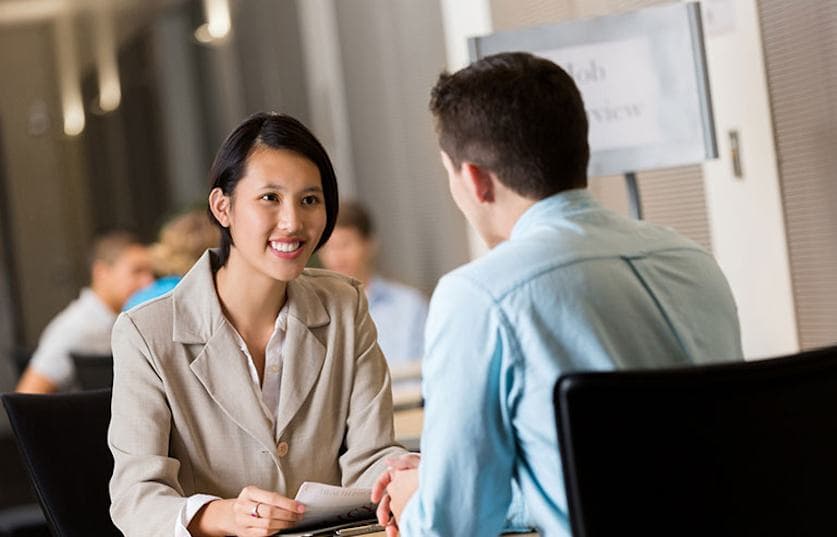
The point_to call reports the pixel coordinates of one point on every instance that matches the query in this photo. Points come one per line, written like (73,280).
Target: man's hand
(402,487)
(408,461)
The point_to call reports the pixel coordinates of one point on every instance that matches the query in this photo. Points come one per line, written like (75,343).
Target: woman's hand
(380,496)
(255,513)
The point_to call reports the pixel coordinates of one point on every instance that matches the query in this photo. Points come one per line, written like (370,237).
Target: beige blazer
(187,419)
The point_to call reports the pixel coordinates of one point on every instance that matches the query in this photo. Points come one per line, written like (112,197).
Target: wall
(391,54)
(800,46)
(745,214)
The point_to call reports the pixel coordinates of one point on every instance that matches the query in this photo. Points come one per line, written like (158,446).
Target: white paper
(333,505)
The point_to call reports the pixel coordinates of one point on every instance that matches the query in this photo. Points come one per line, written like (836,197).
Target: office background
(359,72)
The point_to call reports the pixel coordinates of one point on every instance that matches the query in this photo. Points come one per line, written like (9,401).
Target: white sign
(643,78)
(620,89)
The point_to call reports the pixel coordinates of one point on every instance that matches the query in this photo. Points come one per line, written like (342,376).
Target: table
(383,534)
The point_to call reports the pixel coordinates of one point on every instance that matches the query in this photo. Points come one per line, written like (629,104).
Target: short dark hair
(355,216)
(108,246)
(520,117)
(276,131)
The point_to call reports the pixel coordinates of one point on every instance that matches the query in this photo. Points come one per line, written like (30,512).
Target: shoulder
(78,321)
(151,320)
(398,291)
(323,279)
(333,290)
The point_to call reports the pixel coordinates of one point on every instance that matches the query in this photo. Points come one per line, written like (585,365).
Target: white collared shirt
(269,389)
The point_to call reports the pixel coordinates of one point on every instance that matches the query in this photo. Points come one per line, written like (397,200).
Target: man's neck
(504,214)
(103,297)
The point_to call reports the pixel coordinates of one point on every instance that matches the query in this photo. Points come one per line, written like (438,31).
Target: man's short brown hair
(108,246)
(355,216)
(519,116)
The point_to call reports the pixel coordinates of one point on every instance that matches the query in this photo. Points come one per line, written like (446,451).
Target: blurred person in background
(119,265)
(182,241)
(399,311)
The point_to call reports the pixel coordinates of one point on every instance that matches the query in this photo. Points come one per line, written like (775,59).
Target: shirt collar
(279,325)
(558,205)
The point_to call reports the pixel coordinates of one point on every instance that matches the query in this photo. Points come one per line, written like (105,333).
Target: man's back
(576,287)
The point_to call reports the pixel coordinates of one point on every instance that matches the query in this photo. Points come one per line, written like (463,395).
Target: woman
(254,374)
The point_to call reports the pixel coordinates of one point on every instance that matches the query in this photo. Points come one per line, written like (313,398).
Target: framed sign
(643,78)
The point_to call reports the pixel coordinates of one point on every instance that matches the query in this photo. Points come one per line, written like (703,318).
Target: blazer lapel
(220,366)
(303,354)
(222,370)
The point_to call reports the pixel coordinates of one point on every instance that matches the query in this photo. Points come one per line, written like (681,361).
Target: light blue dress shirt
(577,287)
(399,313)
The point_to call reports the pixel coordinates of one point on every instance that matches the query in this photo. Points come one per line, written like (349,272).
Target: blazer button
(282,449)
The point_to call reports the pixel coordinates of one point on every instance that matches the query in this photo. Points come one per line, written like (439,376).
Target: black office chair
(63,442)
(93,371)
(21,357)
(743,449)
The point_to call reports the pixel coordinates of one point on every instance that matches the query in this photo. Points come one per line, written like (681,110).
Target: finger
(271,512)
(383,511)
(245,510)
(380,486)
(404,462)
(261,526)
(256,494)
(392,530)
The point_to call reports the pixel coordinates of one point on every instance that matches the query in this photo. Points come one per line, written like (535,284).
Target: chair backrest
(738,449)
(21,357)
(93,371)
(63,441)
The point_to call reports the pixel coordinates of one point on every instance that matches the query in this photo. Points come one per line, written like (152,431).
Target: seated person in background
(399,311)
(182,241)
(119,265)
(568,285)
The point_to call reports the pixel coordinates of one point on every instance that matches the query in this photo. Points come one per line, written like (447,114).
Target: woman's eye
(270,197)
(310,200)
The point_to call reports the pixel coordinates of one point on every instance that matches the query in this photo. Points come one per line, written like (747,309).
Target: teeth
(285,246)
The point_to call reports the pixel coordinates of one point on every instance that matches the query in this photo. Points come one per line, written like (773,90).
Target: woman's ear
(219,204)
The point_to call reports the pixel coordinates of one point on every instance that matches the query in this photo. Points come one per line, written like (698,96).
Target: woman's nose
(289,220)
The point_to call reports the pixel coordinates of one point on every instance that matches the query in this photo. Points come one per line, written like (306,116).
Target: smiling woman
(255,374)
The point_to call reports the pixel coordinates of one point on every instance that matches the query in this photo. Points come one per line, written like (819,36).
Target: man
(399,311)
(119,266)
(568,285)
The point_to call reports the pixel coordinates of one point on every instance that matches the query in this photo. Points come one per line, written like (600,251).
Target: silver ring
(255,513)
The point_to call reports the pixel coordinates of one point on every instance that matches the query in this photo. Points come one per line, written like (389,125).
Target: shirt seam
(535,275)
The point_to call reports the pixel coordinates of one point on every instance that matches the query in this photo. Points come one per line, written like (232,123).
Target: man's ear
(99,270)
(480,181)
(219,204)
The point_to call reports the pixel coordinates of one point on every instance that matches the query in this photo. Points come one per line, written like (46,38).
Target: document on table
(327,505)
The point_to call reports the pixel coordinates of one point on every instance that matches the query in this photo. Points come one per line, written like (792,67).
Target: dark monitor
(743,449)
(93,371)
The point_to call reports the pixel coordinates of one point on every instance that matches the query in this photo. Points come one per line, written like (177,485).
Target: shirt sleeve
(468,442)
(188,512)
(52,358)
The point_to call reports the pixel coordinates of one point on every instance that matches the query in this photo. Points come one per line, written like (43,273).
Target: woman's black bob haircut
(276,131)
